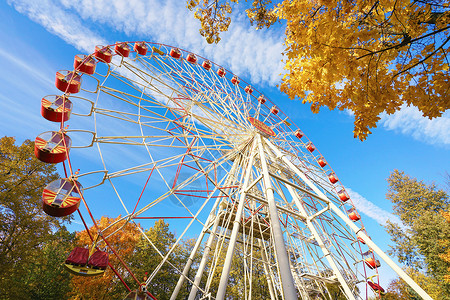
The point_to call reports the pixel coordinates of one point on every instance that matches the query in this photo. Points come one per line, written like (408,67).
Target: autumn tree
(123,238)
(398,289)
(446,243)
(237,284)
(369,57)
(25,229)
(417,241)
(147,259)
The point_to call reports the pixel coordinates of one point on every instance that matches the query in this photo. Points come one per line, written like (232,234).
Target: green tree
(25,229)
(369,56)
(417,242)
(46,277)
(146,259)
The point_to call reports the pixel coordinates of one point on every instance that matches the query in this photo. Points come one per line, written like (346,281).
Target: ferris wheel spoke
(229,161)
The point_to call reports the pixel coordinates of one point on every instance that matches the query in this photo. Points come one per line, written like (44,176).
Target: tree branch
(403,44)
(423,60)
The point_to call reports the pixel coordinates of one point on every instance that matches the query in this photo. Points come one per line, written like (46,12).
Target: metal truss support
(319,195)
(230,251)
(287,281)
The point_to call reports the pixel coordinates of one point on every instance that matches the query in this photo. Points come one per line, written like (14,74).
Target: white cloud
(371,210)
(59,22)
(409,121)
(247,52)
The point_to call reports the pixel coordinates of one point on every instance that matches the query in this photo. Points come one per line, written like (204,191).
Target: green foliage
(46,277)
(24,228)
(418,242)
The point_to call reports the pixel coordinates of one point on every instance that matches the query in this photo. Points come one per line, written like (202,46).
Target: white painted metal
(168,116)
(287,281)
(355,228)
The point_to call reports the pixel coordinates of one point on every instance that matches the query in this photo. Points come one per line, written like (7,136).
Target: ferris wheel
(220,160)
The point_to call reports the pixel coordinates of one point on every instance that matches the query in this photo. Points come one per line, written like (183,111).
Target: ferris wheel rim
(278,114)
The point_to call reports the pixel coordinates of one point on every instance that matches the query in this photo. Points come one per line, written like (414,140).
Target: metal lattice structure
(222,160)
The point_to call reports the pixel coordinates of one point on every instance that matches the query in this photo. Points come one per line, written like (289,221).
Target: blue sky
(40,37)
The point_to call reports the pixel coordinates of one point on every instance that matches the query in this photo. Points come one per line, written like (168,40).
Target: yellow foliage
(446,243)
(123,238)
(370,57)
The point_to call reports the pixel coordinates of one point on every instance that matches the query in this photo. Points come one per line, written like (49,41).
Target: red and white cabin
(376,287)
(274,110)
(103,54)
(52,147)
(322,162)
(175,53)
(261,99)
(140,48)
(310,147)
(298,133)
(192,58)
(80,263)
(333,179)
(56,108)
(84,64)
(248,89)
(61,197)
(206,65)
(123,49)
(221,72)
(353,214)
(343,195)
(235,80)
(68,81)
(372,263)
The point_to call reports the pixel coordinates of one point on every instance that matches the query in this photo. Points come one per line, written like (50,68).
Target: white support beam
(402,274)
(230,251)
(284,267)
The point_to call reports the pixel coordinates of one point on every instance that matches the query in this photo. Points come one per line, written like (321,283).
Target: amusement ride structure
(220,160)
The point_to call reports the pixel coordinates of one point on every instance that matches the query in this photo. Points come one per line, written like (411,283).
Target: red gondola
(248,89)
(192,58)
(122,49)
(56,108)
(61,197)
(141,48)
(221,72)
(310,147)
(274,110)
(333,179)
(261,99)
(376,288)
(361,240)
(322,162)
(52,147)
(298,133)
(103,54)
(79,262)
(343,195)
(207,65)
(235,80)
(353,214)
(370,261)
(84,64)
(68,81)
(175,53)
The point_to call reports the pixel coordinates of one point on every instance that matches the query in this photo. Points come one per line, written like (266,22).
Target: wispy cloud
(245,51)
(409,121)
(371,210)
(53,17)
